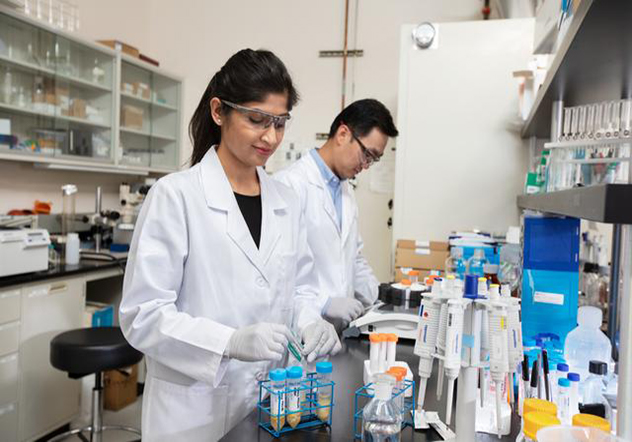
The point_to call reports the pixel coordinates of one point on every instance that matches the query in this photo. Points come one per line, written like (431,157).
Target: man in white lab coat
(357,139)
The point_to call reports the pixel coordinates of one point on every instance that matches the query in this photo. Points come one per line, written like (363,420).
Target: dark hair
(362,116)
(247,76)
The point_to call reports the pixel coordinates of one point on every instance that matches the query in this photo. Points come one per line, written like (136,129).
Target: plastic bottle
(563,401)
(324,370)
(72,249)
(587,342)
(475,265)
(381,420)
(277,398)
(595,383)
(510,269)
(455,264)
(293,397)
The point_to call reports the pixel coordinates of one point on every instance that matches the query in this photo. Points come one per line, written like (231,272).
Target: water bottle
(587,342)
(455,264)
(381,419)
(476,264)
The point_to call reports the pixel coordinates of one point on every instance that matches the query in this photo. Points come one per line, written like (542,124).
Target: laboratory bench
(35,398)
(347,375)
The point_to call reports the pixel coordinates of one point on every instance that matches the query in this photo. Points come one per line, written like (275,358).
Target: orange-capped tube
(399,373)
(375,339)
(413,275)
(391,348)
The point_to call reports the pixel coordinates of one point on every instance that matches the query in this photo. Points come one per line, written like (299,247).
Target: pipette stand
(467,390)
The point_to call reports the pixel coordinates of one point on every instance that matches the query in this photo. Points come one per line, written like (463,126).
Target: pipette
(534,380)
(514,332)
(453,341)
(498,360)
(427,330)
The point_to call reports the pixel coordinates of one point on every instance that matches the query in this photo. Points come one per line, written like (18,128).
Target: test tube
(324,370)
(277,398)
(382,355)
(391,349)
(375,339)
(574,393)
(399,373)
(294,396)
(563,401)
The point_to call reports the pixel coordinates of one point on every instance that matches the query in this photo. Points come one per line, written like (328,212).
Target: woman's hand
(259,342)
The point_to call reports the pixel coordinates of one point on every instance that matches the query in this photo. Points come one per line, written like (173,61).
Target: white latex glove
(344,309)
(258,342)
(320,339)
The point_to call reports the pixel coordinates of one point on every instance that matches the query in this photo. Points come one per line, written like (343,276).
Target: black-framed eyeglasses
(259,119)
(369,156)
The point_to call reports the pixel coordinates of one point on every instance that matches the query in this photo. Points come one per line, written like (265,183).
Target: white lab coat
(342,270)
(194,275)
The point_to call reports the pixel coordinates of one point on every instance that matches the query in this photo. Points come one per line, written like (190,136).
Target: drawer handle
(8,409)
(10,358)
(61,287)
(12,294)
(52,289)
(9,325)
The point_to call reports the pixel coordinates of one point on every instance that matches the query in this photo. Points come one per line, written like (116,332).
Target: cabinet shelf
(26,111)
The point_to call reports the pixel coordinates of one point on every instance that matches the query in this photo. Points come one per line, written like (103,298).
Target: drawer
(8,379)
(9,305)
(9,423)
(9,337)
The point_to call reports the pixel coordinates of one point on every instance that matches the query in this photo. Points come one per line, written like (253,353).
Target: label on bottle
(294,400)
(549,298)
(277,403)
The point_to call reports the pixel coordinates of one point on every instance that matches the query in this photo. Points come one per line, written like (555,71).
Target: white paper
(549,298)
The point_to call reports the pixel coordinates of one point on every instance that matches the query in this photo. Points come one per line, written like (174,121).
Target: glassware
(381,420)
(475,265)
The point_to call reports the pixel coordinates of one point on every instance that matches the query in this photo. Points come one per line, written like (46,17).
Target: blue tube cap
(562,367)
(563,382)
(573,377)
(294,372)
(278,375)
(471,286)
(324,367)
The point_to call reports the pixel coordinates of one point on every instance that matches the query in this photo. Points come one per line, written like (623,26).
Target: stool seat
(85,351)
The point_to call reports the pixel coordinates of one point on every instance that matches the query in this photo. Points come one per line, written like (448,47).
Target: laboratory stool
(85,351)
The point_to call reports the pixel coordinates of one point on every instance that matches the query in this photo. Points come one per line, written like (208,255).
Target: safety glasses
(369,157)
(259,119)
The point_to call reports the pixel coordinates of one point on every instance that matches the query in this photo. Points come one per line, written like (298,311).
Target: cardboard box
(439,246)
(78,108)
(120,46)
(142,90)
(62,99)
(132,117)
(421,258)
(120,388)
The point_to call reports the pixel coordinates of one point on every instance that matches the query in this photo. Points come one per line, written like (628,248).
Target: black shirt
(250,207)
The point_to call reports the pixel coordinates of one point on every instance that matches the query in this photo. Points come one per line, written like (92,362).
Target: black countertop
(348,369)
(62,270)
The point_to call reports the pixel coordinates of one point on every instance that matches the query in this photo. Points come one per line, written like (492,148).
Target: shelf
(142,133)
(147,101)
(83,121)
(604,203)
(591,64)
(52,72)
(603,142)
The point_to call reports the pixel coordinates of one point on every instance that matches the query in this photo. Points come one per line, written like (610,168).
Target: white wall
(194,38)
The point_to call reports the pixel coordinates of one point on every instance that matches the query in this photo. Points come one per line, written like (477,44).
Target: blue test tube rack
(309,408)
(365,393)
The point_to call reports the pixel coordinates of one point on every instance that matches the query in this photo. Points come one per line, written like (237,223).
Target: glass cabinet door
(55,96)
(165,124)
(135,121)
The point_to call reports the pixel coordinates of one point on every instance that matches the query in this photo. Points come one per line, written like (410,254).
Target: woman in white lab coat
(219,268)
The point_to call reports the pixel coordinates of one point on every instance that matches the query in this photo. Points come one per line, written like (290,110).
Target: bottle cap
(456,252)
(539,405)
(535,421)
(376,337)
(278,375)
(598,367)
(399,373)
(471,286)
(324,367)
(563,382)
(591,421)
(294,372)
(413,273)
(390,337)
(562,367)
(573,377)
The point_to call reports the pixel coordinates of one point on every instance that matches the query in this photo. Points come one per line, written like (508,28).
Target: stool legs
(96,428)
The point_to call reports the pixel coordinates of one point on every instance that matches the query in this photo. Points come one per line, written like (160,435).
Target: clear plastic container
(324,370)
(455,264)
(587,342)
(476,264)
(564,401)
(381,420)
(595,384)
(294,397)
(575,434)
(277,398)
(574,379)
